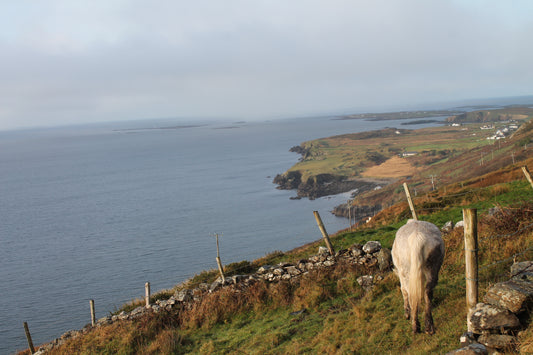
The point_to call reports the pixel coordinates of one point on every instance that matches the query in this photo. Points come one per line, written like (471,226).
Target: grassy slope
(495,115)
(341,317)
(351,154)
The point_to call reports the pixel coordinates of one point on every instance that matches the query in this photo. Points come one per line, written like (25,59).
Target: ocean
(95,211)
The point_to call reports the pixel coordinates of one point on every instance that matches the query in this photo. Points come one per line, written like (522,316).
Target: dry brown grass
(394,167)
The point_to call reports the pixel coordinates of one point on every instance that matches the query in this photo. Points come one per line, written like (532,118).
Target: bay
(94,212)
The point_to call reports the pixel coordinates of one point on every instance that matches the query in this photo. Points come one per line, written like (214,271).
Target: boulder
(460,224)
(264,269)
(516,296)
(522,271)
(328,263)
(185,295)
(494,211)
(472,349)
(238,278)
(448,226)
(384,258)
(357,252)
(342,252)
(215,286)
(104,320)
(467,338)
(487,317)
(123,315)
(498,341)
(318,258)
(137,312)
(278,271)
(203,286)
(366,281)
(372,247)
(293,270)
(371,262)
(323,250)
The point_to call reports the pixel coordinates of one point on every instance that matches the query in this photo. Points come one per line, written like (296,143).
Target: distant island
(401,115)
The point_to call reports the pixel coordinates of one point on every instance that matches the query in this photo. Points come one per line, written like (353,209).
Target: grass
(340,316)
(349,155)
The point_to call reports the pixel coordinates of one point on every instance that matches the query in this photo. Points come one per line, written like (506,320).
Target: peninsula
(366,162)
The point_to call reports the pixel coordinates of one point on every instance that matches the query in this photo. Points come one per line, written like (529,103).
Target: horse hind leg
(415,324)
(405,294)
(432,280)
(406,307)
(428,318)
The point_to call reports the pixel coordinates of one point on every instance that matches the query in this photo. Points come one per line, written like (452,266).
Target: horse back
(420,236)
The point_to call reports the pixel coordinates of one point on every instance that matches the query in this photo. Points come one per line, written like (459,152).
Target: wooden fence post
(410,201)
(147,294)
(527,174)
(93,315)
(350,215)
(28,337)
(324,233)
(219,263)
(471,267)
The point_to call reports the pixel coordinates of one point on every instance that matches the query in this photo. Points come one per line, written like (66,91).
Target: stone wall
(505,312)
(371,255)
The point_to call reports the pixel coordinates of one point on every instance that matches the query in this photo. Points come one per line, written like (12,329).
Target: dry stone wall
(505,312)
(371,254)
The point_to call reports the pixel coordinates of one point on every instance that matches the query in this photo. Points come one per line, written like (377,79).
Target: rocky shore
(321,184)
(357,213)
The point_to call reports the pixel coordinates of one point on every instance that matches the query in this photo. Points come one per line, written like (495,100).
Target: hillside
(347,162)
(327,310)
(438,171)
(483,116)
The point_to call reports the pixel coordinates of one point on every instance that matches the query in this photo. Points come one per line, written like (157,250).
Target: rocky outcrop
(304,152)
(372,255)
(319,185)
(358,213)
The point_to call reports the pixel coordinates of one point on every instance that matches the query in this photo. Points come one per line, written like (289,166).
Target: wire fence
(511,258)
(440,202)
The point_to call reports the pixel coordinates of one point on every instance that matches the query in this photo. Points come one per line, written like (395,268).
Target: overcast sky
(66,62)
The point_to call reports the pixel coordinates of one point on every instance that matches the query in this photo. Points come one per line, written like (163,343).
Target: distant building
(487,127)
(408,154)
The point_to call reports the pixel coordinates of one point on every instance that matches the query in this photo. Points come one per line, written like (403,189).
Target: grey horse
(417,254)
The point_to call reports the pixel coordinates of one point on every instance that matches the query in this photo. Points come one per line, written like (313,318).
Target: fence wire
(507,235)
(512,257)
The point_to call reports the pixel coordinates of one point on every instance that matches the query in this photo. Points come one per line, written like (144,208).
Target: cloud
(65,63)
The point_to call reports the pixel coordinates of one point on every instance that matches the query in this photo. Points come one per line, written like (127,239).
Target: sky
(69,62)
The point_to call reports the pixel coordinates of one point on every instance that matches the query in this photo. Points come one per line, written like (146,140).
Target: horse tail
(416,275)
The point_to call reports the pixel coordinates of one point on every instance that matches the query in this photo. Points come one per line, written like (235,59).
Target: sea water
(94,212)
